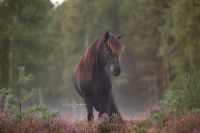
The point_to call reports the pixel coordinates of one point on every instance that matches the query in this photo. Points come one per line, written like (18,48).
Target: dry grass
(155,122)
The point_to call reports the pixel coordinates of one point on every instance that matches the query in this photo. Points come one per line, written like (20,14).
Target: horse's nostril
(115,71)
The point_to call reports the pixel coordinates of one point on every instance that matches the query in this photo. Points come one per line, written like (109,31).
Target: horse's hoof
(90,118)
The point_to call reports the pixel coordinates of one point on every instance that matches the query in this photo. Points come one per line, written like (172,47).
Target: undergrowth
(155,122)
(178,112)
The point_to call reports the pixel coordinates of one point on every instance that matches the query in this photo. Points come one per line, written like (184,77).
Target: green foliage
(184,93)
(46,114)
(23,78)
(138,129)
(159,116)
(180,39)
(147,123)
(22,39)
(179,47)
(14,99)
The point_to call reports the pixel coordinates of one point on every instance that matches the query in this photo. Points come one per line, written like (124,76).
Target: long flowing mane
(89,60)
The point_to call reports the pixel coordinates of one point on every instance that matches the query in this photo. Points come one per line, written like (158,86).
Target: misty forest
(157,91)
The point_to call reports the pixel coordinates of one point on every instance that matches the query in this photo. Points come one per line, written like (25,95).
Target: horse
(93,73)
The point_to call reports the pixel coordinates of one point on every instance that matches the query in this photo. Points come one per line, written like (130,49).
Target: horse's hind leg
(89,107)
(102,107)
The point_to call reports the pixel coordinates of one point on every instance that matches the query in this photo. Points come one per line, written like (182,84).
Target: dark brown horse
(92,75)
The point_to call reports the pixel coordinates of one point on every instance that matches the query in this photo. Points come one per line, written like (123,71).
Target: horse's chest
(97,87)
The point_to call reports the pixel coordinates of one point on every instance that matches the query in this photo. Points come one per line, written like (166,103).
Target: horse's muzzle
(116,71)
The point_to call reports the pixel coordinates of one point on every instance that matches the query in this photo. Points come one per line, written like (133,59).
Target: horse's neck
(99,70)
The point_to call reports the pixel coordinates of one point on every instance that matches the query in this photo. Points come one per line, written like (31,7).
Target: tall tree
(21,25)
(181,41)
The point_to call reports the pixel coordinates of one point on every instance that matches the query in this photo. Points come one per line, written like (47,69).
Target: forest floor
(155,121)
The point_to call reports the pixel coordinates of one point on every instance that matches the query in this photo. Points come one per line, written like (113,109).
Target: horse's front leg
(108,108)
(89,107)
(105,104)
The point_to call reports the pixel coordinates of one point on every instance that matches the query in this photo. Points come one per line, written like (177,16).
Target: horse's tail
(77,86)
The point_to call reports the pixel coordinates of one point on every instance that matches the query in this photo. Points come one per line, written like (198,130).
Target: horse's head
(112,47)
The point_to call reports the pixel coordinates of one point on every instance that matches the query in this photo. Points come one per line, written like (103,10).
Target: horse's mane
(90,58)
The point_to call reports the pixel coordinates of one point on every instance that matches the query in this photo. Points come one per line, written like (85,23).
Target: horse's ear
(106,35)
(120,36)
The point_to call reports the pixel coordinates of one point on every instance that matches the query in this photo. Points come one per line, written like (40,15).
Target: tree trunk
(10,58)
(6,69)
(5,64)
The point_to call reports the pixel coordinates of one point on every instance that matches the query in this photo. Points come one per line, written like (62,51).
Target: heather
(156,121)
